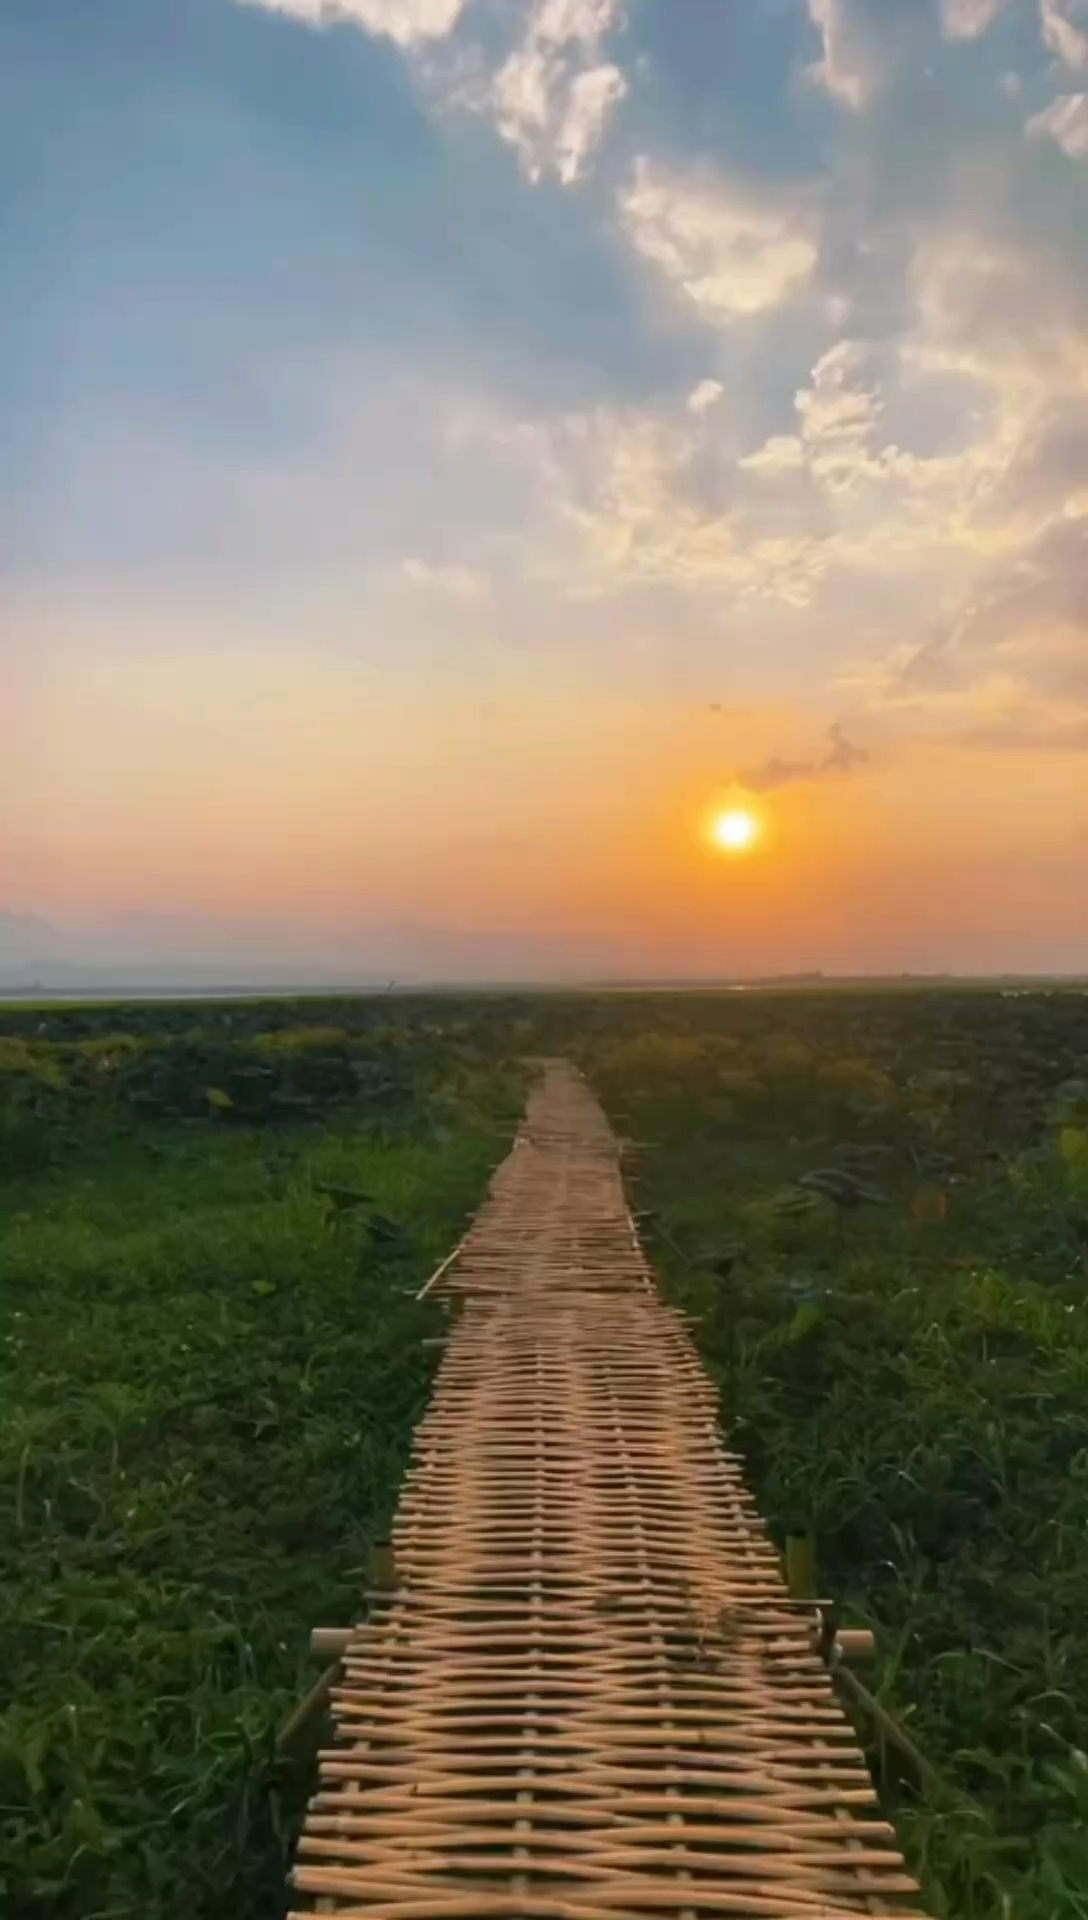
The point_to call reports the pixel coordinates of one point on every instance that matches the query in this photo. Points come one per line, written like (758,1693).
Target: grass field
(210,1366)
(908,1376)
(209,1373)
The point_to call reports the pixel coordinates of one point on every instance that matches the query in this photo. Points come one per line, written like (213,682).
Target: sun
(735,830)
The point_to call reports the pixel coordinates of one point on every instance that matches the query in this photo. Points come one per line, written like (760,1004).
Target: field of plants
(879,1207)
(212,1218)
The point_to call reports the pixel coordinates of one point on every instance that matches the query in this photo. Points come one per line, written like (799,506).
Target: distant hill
(36,957)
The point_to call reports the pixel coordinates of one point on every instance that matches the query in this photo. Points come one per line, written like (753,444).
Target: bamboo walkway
(589,1696)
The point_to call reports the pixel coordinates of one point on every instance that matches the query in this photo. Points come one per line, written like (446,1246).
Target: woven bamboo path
(589,1696)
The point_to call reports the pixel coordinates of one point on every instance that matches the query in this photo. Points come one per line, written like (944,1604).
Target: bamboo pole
(330,1643)
(801,1566)
(934,1783)
(300,1731)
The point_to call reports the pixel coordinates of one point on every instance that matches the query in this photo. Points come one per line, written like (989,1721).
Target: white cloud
(593,94)
(730,256)
(840,412)
(916,459)
(407,22)
(553,97)
(462,584)
(782,453)
(867,46)
(1065,121)
(893,487)
(1065,30)
(623,505)
(968,19)
(1008,662)
(851,66)
(994,305)
(704,395)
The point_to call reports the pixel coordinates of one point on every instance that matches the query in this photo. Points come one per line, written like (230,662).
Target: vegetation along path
(587,1692)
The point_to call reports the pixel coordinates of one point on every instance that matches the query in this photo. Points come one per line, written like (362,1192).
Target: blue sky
(438,370)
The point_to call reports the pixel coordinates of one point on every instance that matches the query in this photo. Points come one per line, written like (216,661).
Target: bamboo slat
(587,1694)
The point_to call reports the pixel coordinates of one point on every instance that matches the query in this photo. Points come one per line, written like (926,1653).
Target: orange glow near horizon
(545,822)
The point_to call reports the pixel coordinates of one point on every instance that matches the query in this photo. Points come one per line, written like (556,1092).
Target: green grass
(913,1388)
(209,1376)
(210,1370)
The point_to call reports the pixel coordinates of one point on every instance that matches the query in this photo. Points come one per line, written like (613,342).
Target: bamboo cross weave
(588,1696)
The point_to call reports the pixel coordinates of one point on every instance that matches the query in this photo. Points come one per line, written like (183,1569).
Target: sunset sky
(449,446)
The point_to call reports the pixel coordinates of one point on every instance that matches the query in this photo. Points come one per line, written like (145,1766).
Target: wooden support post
(853,1643)
(935,1785)
(302,1731)
(300,1735)
(382,1566)
(801,1566)
(330,1643)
